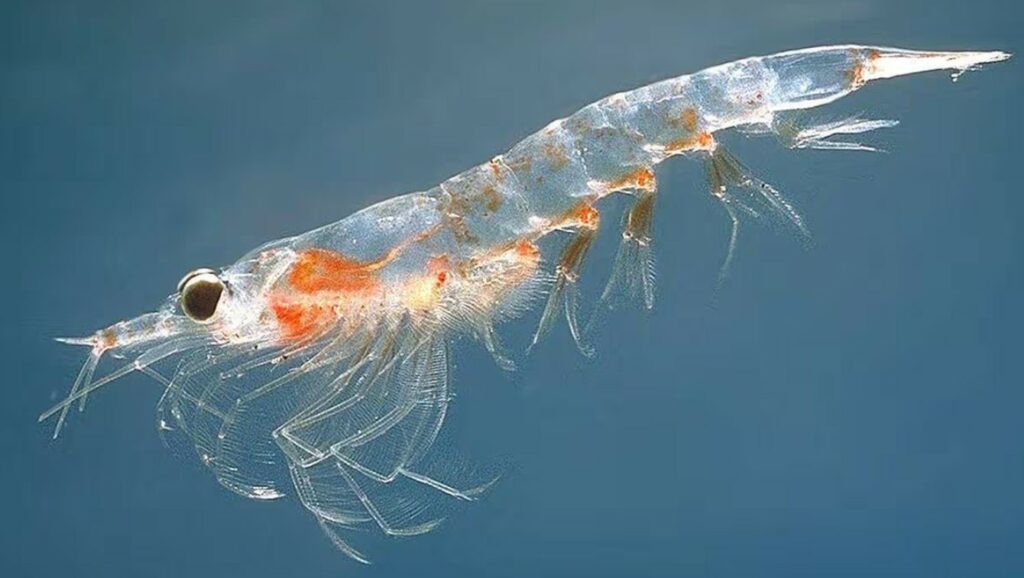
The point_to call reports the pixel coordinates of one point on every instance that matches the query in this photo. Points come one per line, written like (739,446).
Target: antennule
(90,341)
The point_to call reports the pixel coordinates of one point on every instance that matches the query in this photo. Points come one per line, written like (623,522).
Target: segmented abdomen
(540,183)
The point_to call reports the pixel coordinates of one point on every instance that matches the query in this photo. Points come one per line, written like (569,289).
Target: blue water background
(850,410)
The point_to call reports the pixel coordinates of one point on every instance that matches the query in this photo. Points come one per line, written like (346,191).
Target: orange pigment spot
(642,178)
(321,278)
(555,156)
(587,215)
(108,338)
(297,320)
(492,199)
(439,266)
(855,76)
(645,178)
(701,142)
(690,119)
(322,270)
(527,249)
(495,169)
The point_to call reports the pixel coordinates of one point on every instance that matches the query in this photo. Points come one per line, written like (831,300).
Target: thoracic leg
(633,272)
(468,494)
(740,192)
(818,136)
(563,290)
(734,232)
(376,514)
(632,276)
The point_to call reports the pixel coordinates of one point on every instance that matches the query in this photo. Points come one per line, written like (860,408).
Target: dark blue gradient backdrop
(851,409)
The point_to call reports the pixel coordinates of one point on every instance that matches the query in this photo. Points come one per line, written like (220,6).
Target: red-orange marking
(439,266)
(690,119)
(108,338)
(527,248)
(297,320)
(322,270)
(702,141)
(855,76)
(496,170)
(587,215)
(642,178)
(322,276)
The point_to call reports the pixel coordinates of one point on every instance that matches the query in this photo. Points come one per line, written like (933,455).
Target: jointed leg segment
(563,291)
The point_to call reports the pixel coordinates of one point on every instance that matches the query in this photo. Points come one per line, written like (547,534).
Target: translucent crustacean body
(323,358)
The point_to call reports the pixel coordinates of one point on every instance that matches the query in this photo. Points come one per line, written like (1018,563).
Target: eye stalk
(199,293)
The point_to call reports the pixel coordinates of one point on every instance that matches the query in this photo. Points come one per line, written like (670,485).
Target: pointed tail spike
(892,62)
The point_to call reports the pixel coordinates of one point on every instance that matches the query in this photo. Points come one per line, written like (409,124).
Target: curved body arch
(319,364)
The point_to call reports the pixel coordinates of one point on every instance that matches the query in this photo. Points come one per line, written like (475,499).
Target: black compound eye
(200,292)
